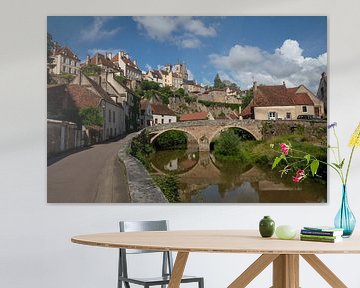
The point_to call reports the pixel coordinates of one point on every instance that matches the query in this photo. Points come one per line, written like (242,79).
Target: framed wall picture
(176,109)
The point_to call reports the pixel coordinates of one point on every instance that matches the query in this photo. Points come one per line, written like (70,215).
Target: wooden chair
(167,263)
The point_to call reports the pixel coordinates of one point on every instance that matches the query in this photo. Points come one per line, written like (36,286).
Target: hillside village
(108,96)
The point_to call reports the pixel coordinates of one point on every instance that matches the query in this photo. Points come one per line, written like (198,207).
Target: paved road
(93,175)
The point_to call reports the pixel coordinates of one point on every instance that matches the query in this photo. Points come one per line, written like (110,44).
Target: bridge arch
(158,133)
(221,129)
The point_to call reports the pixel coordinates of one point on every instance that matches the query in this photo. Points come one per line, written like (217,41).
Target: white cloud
(96,30)
(190,74)
(198,28)
(148,67)
(183,31)
(244,64)
(93,51)
(189,42)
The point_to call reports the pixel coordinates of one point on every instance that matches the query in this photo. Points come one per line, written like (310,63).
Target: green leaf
(307,157)
(314,166)
(276,162)
(342,163)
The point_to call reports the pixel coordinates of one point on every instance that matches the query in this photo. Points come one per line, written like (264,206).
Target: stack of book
(321,234)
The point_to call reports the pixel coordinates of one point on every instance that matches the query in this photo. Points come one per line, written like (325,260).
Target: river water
(203,179)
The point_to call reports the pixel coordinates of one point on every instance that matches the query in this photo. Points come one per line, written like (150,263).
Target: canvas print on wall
(184,109)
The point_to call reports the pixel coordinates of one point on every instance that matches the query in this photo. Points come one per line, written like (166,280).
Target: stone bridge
(205,131)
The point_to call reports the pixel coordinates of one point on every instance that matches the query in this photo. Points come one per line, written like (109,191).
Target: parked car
(306,117)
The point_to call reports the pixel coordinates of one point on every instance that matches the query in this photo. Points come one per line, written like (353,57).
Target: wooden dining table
(283,254)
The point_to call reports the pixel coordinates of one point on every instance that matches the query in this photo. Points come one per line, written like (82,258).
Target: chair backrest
(137,226)
(134,226)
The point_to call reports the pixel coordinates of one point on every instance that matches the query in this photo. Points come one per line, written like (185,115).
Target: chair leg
(201,283)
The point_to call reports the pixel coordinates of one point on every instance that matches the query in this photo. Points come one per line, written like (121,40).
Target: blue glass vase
(345,219)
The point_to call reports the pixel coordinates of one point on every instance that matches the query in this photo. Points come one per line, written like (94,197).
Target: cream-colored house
(281,103)
(154,76)
(162,114)
(177,80)
(64,61)
(129,66)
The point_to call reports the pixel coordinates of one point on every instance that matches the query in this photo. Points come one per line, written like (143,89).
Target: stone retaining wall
(141,186)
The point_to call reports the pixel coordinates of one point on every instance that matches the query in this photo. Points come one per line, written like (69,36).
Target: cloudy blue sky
(269,50)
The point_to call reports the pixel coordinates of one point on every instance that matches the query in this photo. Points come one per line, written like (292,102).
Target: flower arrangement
(309,164)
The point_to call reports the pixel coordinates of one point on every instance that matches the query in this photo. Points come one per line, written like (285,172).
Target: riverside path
(92,175)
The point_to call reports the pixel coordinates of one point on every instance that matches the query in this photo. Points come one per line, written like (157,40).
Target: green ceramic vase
(266,227)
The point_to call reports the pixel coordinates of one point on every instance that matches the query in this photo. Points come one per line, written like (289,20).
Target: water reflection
(203,179)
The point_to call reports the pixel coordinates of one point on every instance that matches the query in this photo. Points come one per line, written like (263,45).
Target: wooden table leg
(286,271)
(178,270)
(253,270)
(324,271)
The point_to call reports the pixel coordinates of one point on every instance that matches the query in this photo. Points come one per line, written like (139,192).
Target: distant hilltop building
(169,75)
(104,62)
(65,61)
(322,90)
(279,102)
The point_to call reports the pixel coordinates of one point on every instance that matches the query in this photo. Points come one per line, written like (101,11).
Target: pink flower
(284,148)
(300,175)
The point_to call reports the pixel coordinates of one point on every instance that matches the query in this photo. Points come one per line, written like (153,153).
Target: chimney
(255,86)
(96,58)
(135,62)
(87,59)
(284,83)
(122,54)
(127,55)
(109,55)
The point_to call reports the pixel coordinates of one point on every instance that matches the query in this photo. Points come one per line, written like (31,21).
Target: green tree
(218,84)
(91,116)
(50,60)
(179,93)
(228,144)
(91,70)
(171,140)
(247,99)
(120,79)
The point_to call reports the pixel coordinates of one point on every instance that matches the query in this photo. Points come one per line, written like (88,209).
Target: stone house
(130,67)
(166,75)
(146,116)
(190,86)
(181,70)
(105,63)
(177,80)
(64,61)
(110,103)
(154,76)
(162,114)
(279,102)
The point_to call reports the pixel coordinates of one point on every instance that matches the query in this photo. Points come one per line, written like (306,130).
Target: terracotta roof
(100,59)
(161,109)
(58,50)
(156,74)
(126,60)
(144,104)
(82,96)
(100,90)
(194,116)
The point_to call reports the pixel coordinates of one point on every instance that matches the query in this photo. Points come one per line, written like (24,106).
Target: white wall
(35,248)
